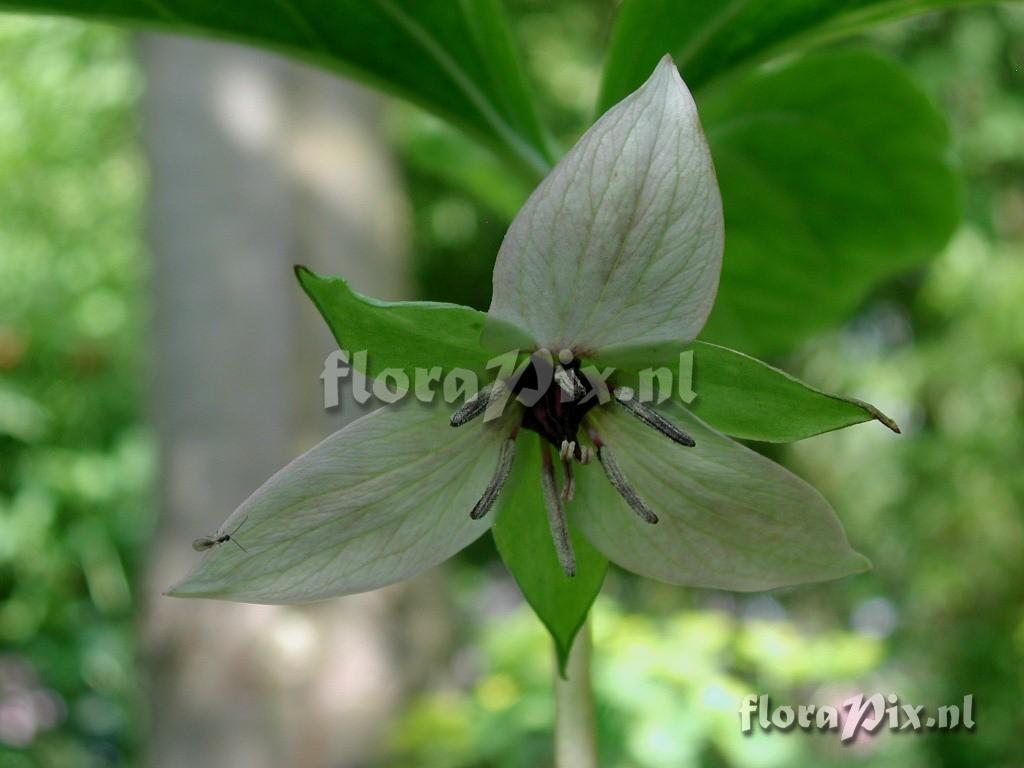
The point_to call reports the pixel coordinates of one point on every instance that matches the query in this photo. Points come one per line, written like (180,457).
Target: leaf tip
(874,413)
(860,564)
(562,660)
(877,415)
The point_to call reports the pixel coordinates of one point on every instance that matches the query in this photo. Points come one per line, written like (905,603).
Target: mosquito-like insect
(206,542)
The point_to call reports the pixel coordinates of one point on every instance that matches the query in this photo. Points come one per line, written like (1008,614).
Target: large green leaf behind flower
(712,39)
(836,175)
(455,58)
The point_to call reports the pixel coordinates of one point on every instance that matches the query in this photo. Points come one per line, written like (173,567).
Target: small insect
(207,542)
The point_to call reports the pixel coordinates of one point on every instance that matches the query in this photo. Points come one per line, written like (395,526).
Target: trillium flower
(612,263)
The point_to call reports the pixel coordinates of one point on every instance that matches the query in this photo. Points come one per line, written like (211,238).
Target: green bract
(613,261)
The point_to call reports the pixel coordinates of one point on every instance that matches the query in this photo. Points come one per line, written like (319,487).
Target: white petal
(384,498)
(621,244)
(728,517)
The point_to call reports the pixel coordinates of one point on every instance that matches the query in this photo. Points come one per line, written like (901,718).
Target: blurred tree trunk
(258,164)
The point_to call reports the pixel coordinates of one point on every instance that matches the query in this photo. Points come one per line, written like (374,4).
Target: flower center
(556,397)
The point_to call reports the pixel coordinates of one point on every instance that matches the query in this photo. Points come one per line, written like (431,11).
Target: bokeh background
(157,362)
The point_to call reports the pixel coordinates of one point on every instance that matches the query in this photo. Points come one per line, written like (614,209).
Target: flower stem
(575,729)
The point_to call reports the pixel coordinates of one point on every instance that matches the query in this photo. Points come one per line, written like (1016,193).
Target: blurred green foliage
(941,511)
(75,464)
(668,687)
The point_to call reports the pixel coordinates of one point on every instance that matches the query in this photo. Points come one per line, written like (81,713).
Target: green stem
(575,729)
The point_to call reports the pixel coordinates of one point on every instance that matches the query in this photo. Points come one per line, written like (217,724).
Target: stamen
(475,405)
(505,457)
(570,384)
(567,450)
(620,484)
(556,516)
(569,480)
(626,398)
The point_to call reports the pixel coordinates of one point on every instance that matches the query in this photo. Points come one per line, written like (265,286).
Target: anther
(570,384)
(505,457)
(473,407)
(567,450)
(620,484)
(627,399)
(556,516)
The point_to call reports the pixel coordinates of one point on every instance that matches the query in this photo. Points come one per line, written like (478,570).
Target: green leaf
(621,244)
(728,518)
(836,175)
(399,334)
(710,40)
(457,59)
(433,147)
(383,499)
(524,541)
(747,398)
